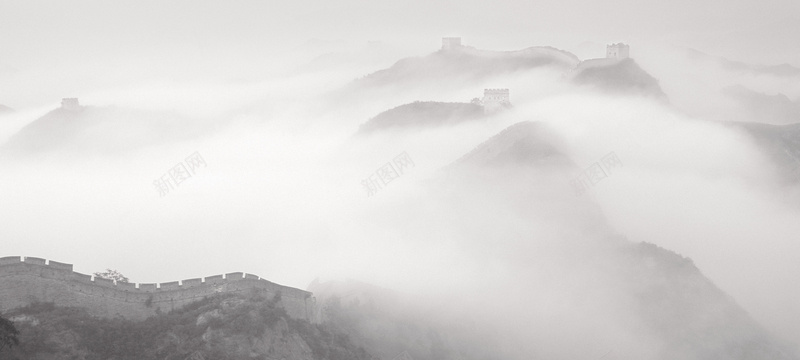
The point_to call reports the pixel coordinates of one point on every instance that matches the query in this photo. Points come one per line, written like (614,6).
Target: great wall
(30,279)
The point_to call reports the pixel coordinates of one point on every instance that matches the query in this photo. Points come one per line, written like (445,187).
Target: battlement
(495,92)
(28,279)
(70,104)
(617,51)
(494,99)
(451,43)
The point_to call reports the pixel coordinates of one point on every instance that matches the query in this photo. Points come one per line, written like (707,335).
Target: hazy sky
(220,36)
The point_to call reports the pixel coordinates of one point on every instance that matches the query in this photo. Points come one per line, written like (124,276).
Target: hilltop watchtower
(70,104)
(495,98)
(451,43)
(617,51)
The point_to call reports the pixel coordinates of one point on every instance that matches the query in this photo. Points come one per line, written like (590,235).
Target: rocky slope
(221,327)
(668,303)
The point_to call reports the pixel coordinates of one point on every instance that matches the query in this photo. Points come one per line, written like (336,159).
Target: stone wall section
(24,281)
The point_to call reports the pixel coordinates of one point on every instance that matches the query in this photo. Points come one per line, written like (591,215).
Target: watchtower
(451,43)
(617,51)
(70,104)
(495,98)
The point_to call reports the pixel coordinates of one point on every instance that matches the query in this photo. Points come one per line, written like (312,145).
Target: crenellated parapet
(451,43)
(70,104)
(618,51)
(29,279)
(494,99)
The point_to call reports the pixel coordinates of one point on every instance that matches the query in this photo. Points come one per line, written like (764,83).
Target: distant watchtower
(70,104)
(495,98)
(451,43)
(617,51)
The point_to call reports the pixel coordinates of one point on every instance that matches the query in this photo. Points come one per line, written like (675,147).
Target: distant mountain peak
(466,61)
(524,143)
(420,114)
(102,130)
(782,70)
(619,75)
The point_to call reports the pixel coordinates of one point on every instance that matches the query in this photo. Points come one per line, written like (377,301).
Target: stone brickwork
(70,104)
(494,99)
(618,51)
(23,281)
(451,43)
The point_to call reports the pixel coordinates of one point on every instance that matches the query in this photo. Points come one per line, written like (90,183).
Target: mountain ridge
(469,63)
